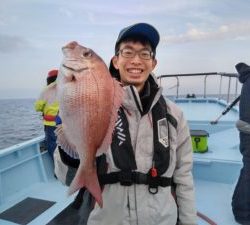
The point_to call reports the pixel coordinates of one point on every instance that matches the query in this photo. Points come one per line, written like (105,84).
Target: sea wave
(19,121)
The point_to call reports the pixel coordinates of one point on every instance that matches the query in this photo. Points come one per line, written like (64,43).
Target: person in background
(151,150)
(48,105)
(241,196)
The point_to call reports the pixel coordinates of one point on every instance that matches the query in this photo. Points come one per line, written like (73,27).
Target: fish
(89,99)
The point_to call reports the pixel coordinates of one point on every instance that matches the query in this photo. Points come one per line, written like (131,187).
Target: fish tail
(89,180)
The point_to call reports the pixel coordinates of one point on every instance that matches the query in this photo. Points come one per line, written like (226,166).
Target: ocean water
(19,121)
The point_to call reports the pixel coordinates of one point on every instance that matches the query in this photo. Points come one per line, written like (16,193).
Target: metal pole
(236,87)
(228,90)
(205,86)
(220,86)
(177,88)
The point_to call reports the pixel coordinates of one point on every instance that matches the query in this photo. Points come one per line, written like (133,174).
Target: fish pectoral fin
(88,180)
(63,142)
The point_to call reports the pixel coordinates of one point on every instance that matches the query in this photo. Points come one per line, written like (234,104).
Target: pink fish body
(89,99)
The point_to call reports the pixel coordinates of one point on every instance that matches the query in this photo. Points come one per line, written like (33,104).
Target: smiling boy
(151,151)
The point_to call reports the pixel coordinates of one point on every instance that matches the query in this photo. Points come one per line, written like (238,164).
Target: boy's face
(134,70)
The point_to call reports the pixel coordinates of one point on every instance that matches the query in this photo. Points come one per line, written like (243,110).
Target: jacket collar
(150,95)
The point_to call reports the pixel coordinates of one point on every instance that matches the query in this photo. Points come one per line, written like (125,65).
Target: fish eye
(87,54)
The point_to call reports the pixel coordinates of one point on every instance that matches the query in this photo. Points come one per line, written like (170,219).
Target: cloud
(237,31)
(128,9)
(10,43)
(2,21)
(66,12)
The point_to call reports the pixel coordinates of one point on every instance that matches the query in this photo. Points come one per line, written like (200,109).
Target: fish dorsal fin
(117,102)
(63,142)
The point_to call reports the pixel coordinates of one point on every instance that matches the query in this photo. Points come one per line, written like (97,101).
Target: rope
(204,217)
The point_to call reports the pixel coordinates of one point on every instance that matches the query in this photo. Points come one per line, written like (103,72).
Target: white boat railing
(16,161)
(230,76)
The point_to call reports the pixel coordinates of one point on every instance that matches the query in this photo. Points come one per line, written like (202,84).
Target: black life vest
(123,153)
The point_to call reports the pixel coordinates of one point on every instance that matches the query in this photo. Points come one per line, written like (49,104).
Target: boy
(150,151)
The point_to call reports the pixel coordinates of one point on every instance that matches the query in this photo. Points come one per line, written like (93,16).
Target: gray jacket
(134,205)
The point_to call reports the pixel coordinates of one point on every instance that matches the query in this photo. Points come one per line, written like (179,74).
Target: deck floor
(201,109)
(217,170)
(51,191)
(225,149)
(212,206)
(216,204)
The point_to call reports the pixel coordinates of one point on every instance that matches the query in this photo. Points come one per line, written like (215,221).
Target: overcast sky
(196,35)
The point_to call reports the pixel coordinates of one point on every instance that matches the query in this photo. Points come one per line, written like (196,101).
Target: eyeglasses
(145,54)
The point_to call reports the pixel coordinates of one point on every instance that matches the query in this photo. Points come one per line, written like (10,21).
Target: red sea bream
(89,99)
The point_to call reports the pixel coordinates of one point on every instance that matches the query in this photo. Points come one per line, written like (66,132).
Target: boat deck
(216,205)
(215,172)
(227,149)
(212,206)
(211,108)
(52,191)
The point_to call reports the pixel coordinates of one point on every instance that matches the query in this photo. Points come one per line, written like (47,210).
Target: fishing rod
(226,110)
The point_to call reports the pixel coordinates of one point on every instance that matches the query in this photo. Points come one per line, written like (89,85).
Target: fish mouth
(75,70)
